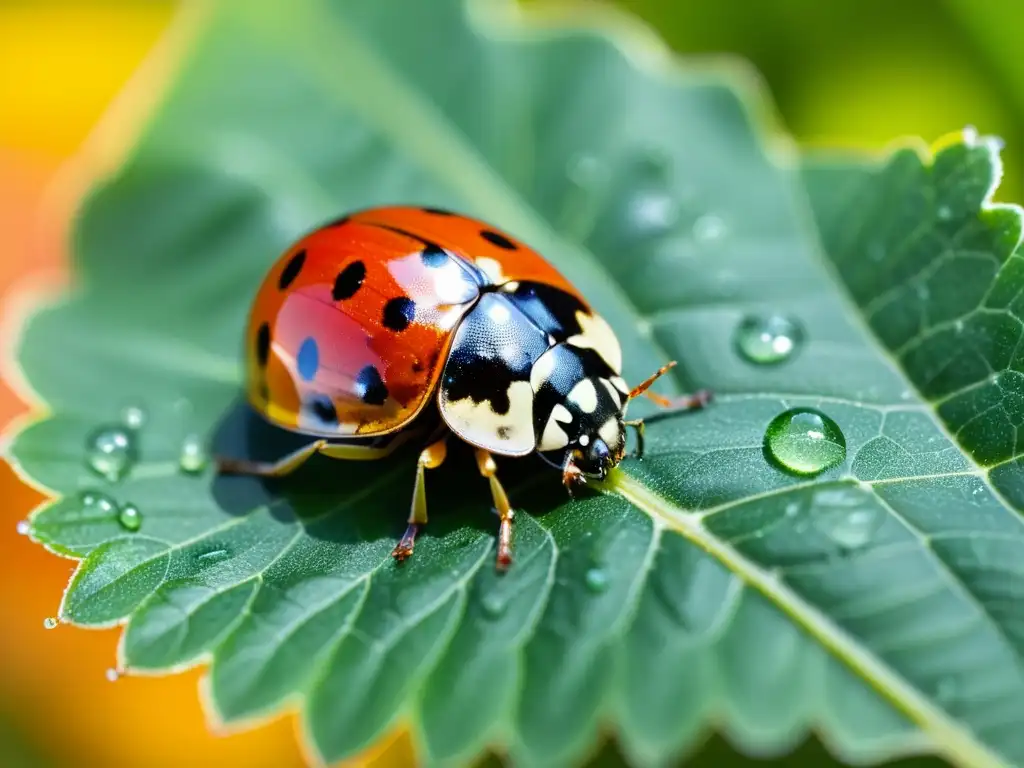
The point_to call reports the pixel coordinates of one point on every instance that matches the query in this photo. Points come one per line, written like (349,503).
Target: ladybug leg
(431,458)
(638,425)
(677,404)
(279,468)
(488,468)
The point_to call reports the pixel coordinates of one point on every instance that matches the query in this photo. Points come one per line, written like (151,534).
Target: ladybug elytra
(401,323)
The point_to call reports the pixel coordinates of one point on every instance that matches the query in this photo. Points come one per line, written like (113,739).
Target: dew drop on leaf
(492,606)
(98,503)
(944,213)
(133,416)
(193,458)
(803,441)
(130,518)
(212,556)
(851,527)
(709,228)
(596,580)
(23,527)
(767,340)
(111,452)
(49,623)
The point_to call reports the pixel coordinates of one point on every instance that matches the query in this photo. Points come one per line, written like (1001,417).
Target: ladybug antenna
(645,385)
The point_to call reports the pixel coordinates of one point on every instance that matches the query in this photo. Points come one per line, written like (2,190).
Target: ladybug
(400,323)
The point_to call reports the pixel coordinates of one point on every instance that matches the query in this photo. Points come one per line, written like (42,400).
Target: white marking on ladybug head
(597,335)
(615,395)
(542,370)
(561,413)
(612,433)
(584,395)
(554,436)
(490,268)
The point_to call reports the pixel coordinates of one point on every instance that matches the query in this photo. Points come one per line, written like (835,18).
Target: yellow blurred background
(846,72)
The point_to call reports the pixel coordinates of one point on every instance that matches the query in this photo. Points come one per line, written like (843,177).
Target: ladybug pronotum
(401,323)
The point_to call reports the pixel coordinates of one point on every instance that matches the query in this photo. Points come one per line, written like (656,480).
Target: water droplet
(596,580)
(652,212)
(49,623)
(112,675)
(133,417)
(23,527)
(193,456)
(709,228)
(852,528)
(111,452)
(130,518)
(792,509)
(98,502)
(585,171)
(493,606)
(212,556)
(768,340)
(944,213)
(803,441)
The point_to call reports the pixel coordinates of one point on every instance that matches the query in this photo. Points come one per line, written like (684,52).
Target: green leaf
(875,603)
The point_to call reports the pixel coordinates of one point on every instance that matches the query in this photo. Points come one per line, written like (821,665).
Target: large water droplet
(130,518)
(50,623)
(133,416)
(767,340)
(193,458)
(596,580)
(709,228)
(804,441)
(111,452)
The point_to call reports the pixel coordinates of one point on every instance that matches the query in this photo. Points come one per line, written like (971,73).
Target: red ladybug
(380,322)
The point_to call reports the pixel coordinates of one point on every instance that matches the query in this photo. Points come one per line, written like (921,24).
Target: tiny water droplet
(493,606)
(851,528)
(596,580)
(585,170)
(709,228)
(98,502)
(133,416)
(111,452)
(804,441)
(766,340)
(652,212)
(212,556)
(130,518)
(112,675)
(944,213)
(49,623)
(792,509)
(193,456)
(23,527)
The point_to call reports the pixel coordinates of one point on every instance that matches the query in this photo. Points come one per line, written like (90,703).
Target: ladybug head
(596,452)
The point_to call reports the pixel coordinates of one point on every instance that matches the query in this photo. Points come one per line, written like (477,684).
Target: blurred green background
(842,73)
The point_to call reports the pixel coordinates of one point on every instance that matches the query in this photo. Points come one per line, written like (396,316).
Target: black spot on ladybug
(349,281)
(434,256)
(291,270)
(398,313)
(499,240)
(263,345)
(480,378)
(322,407)
(438,211)
(370,387)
